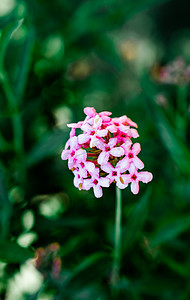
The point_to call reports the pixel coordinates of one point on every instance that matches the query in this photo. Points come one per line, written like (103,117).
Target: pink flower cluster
(103,153)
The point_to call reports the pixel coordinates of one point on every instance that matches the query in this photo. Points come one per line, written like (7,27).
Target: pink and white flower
(134,177)
(103,153)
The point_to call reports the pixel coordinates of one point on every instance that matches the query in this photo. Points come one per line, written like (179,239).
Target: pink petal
(145,177)
(134,133)
(117,151)
(136,148)
(135,187)
(103,157)
(90,111)
(97,191)
(107,168)
(65,154)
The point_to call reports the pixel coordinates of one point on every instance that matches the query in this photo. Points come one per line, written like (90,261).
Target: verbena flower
(103,153)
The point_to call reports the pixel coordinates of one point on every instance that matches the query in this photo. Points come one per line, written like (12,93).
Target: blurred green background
(57,57)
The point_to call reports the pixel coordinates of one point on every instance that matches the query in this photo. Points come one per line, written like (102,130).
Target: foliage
(56,57)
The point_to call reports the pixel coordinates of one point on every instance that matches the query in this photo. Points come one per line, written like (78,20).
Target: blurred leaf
(175,266)
(177,149)
(5,206)
(24,63)
(90,269)
(136,221)
(12,253)
(49,146)
(171,229)
(5,37)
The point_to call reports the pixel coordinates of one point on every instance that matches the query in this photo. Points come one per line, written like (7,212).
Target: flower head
(103,153)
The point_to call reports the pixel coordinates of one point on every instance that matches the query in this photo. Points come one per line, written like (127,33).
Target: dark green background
(56,57)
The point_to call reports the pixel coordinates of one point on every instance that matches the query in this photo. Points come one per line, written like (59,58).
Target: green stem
(117,248)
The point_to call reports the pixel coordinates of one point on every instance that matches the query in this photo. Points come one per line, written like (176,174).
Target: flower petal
(136,148)
(117,151)
(145,177)
(138,163)
(135,187)
(103,158)
(90,111)
(65,154)
(102,132)
(108,168)
(103,181)
(83,138)
(97,191)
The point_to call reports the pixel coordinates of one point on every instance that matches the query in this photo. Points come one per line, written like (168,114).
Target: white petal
(112,142)
(102,132)
(103,158)
(123,165)
(138,163)
(117,151)
(83,138)
(108,168)
(103,181)
(90,167)
(135,187)
(65,154)
(87,184)
(145,177)
(97,121)
(97,191)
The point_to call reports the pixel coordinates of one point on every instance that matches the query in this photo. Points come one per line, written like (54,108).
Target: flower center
(72,153)
(123,135)
(92,133)
(82,164)
(114,173)
(107,149)
(134,177)
(130,155)
(95,181)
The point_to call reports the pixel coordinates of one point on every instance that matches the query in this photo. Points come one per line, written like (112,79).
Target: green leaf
(136,221)
(49,146)
(172,142)
(170,230)
(24,64)
(5,37)
(12,253)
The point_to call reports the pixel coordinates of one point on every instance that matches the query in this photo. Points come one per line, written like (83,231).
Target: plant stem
(117,248)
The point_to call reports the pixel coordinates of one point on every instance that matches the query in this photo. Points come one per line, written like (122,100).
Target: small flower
(104,153)
(134,177)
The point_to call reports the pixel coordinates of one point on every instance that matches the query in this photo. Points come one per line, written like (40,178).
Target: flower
(103,153)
